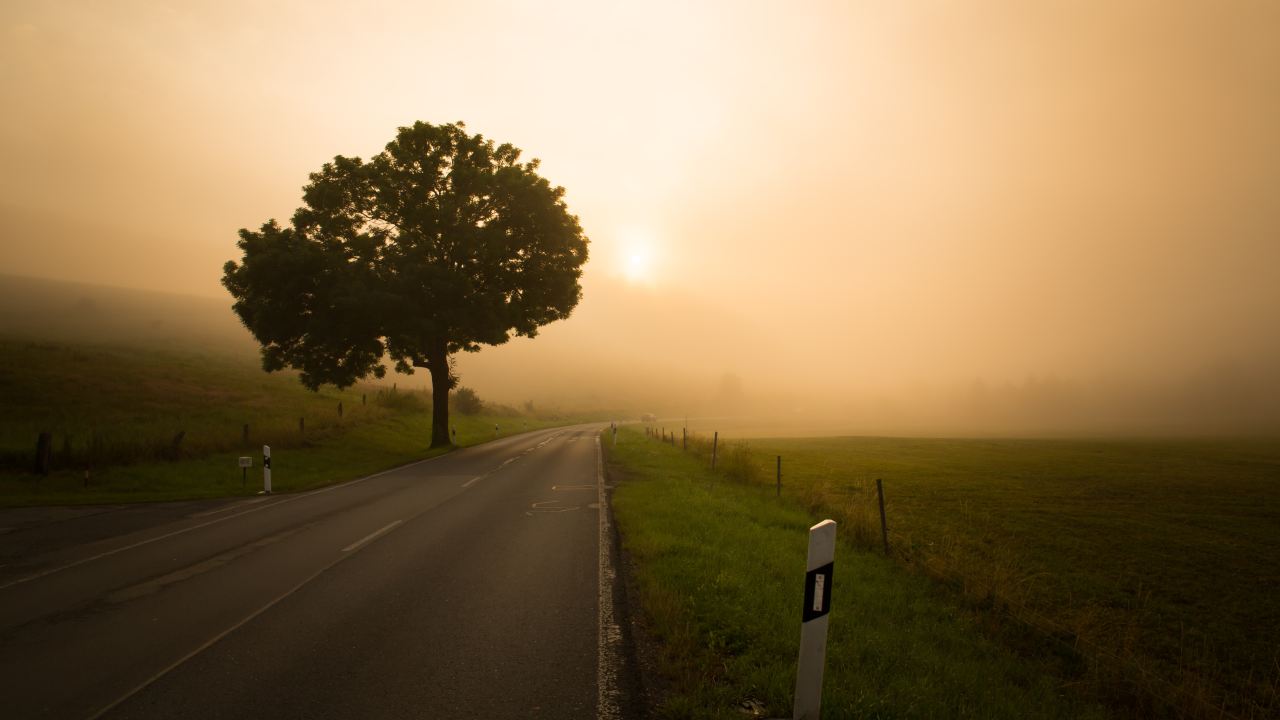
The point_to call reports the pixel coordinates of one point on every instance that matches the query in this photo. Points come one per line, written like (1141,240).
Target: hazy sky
(869,193)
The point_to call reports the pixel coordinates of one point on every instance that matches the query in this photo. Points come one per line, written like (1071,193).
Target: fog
(926,217)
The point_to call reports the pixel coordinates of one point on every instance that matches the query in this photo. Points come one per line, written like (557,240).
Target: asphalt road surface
(478,584)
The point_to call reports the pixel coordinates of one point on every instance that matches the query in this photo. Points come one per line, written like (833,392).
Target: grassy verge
(364,449)
(719,567)
(152,423)
(1152,562)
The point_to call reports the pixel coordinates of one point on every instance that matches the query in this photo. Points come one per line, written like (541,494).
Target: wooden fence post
(884,528)
(44,451)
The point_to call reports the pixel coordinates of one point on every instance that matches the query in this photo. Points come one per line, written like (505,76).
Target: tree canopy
(440,243)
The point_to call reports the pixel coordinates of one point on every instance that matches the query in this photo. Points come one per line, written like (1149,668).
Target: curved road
(478,584)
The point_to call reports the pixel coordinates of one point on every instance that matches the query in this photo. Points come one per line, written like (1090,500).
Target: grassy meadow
(1148,570)
(150,393)
(117,411)
(719,568)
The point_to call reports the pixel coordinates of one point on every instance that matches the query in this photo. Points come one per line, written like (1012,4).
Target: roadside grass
(720,567)
(108,405)
(362,450)
(117,411)
(1158,562)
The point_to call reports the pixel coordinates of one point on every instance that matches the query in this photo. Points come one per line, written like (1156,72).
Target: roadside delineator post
(813,626)
(266,469)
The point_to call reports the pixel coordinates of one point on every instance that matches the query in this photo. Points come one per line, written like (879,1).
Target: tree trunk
(438,365)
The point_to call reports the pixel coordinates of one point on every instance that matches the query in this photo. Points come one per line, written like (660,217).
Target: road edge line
(342,556)
(609,634)
(284,498)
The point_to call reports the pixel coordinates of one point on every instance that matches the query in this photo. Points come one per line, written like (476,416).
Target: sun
(639,265)
(638,256)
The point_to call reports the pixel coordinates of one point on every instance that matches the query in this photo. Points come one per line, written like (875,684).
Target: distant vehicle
(648,418)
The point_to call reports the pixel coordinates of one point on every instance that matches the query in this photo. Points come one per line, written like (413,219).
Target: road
(478,584)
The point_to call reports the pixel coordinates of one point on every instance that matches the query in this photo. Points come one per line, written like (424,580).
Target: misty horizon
(554,372)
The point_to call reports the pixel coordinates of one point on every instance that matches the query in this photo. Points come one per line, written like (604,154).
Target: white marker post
(266,469)
(813,627)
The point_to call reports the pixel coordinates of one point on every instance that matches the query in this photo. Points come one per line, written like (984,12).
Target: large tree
(440,243)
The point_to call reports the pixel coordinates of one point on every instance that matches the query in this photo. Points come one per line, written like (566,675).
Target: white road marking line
(371,536)
(552,506)
(230,506)
(508,461)
(140,543)
(608,632)
(357,481)
(217,638)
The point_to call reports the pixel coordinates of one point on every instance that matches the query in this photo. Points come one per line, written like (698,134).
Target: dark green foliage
(442,242)
(467,402)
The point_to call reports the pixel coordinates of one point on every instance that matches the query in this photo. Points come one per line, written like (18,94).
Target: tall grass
(107,406)
(1125,645)
(136,423)
(718,566)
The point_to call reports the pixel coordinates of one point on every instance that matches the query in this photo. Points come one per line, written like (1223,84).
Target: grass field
(152,392)
(111,404)
(117,410)
(1156,562)
(720,566)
